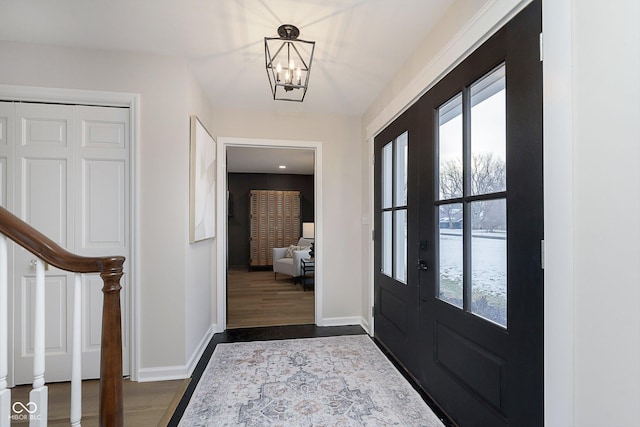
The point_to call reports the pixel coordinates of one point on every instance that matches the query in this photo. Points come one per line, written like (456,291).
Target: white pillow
(293,248)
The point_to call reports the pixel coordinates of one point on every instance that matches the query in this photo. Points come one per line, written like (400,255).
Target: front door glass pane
(400,270)
(451,254)
(488,134)
(471,162)
(450,149)
(387,175)
(387,243)
(394,164)
(402,152)
(489,260)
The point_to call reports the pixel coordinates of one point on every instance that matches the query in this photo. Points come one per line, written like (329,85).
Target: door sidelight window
(394,208)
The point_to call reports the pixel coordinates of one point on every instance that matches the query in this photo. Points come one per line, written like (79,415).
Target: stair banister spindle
(5,393)
(110,269)
(76,364)
(39,394)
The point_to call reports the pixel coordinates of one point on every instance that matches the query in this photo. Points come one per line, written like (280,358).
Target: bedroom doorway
(254,295)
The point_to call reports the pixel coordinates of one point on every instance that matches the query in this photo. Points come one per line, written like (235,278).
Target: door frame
(221,218)
(106,99)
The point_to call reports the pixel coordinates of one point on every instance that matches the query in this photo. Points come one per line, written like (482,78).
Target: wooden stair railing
(110,269)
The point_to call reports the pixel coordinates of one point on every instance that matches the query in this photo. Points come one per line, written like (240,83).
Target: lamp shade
(308,230)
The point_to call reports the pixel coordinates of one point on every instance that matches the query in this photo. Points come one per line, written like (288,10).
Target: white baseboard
(365,325)
(340,321)
(177,372)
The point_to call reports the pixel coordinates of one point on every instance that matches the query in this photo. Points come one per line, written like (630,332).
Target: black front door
(475,224)
(396,282)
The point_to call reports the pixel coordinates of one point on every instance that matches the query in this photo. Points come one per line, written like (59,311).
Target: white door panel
(92,313)
(58,335)
(44,125)
(43,192)
(44,172)
(103,204)
(4,162)
(56,294)
(43,133)
(100,132)
(71,181)
(7,139)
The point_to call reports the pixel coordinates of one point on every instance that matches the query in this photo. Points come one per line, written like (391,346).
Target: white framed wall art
(202,183)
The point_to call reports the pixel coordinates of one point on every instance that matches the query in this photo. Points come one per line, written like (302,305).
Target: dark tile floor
(281,333)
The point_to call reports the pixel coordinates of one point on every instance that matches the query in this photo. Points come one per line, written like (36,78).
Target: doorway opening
(270,196)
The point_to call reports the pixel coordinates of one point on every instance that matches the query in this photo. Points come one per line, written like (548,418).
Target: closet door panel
(7,119)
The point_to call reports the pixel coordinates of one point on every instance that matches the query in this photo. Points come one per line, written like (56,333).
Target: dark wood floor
(259,298)
(145,404)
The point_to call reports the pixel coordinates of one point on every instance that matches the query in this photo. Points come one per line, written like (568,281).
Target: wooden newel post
(111,397)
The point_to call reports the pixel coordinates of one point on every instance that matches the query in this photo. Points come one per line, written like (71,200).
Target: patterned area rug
(332,381)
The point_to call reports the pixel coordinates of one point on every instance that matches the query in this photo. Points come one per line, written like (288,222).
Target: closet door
(101,206)
(44,199)
(72,184)
(7,135)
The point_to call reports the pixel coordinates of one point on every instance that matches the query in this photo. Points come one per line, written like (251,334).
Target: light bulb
(292,65)
(278,71)
(299,75)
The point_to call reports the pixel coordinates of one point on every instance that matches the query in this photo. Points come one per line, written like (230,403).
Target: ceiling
(360,44)
(269,160)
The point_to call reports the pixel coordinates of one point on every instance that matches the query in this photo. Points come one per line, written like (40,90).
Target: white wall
(200,256)
(606,212)
(558,190)
(163,166)
(426,64)
(341,184)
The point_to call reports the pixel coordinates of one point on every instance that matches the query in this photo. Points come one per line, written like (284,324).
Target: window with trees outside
(471,205)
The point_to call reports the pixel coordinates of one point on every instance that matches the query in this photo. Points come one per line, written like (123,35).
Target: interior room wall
(341,184)
(240,184)
(163,180)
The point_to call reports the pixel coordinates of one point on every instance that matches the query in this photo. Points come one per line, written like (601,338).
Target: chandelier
(288,62)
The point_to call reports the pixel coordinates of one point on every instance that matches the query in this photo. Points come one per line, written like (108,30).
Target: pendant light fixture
(288,63)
